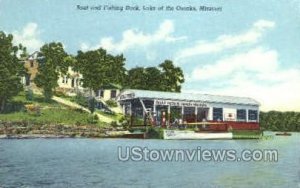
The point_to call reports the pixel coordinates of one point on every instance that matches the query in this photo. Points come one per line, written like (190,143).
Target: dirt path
(75,105)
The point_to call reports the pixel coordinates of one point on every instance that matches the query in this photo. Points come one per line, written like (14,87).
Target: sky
(251,48)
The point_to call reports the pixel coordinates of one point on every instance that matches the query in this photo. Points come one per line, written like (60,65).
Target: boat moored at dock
(193,135)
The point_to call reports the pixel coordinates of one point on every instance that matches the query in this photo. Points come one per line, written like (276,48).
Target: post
(145,115)
(182,112)
(196,113)
(154,107)
(154,113)
(124,108)
(210,113)
(130,113)
(257,116)
(169,114)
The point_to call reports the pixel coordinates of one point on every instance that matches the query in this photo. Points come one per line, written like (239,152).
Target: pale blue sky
(251,48)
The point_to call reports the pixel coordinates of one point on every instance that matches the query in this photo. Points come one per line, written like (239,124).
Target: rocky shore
(31,136)
(26,130)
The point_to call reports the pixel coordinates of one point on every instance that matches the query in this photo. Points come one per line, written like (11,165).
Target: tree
(53,60)
(172,77)
(144,78)
(153,78)
(98,68)
(11,69)
(166,77)
(115,72)
(136,78)
(279,121)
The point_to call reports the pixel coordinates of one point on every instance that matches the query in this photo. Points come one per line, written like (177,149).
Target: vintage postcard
(198,93)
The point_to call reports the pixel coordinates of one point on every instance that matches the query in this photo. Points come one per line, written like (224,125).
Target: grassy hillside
(48,113)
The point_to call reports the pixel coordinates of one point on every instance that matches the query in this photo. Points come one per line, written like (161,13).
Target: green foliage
(111,103)
(172,76)
(114,124)
(125,120)
(135,78)
(92,103)
(33,109)
(81,100)
(11,69)
(60,94)
(53,61)
(99,68)
(136,121)
(48,113)
(175,114)
(144,78)
(29,95)
(246,134)
(156,133)
(49,116)
(13,106)
(280,121)
(93,119)
(113,116)
(166,77)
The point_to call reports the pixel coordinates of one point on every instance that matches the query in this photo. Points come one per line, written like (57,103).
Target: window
(252,115)
(113,94)
(72,82)
(64,80)
(101,93)
(31,64)
(241,114)
(218,114)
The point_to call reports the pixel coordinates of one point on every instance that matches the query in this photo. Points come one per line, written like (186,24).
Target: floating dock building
(215,112)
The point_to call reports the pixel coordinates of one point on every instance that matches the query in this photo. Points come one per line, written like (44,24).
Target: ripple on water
(94,163)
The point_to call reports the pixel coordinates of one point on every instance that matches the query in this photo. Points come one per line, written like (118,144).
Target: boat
(193,135)
(283,134)
(124,134)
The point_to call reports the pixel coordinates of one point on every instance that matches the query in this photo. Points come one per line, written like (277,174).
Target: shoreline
(34,136)
(28,130)
(117,134)
(53,136)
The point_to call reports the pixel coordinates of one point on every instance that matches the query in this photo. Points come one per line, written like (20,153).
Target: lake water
(94,163)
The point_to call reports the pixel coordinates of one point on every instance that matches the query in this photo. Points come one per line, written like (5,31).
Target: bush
(155,133)
(96,117)
(29,95)
(93,119)
(111,103)
(114,124)
(48,94)
(81,100)
(33,109)
(91,103)
(79,110)
(60,94)
(12,106)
